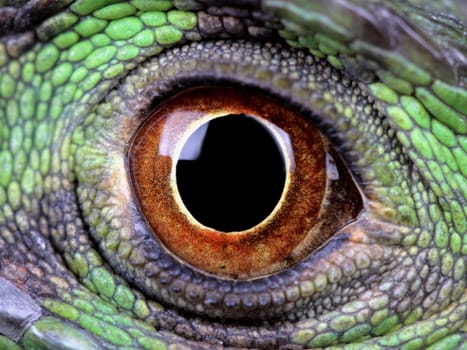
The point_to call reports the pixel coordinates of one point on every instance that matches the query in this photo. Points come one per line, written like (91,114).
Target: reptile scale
(384,82)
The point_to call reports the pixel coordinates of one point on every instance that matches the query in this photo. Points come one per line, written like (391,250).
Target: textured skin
(386,82)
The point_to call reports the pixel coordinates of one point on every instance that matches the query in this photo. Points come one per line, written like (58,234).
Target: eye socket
(133,248)
(289,224)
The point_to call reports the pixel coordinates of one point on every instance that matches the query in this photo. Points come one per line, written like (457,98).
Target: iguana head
(371,95)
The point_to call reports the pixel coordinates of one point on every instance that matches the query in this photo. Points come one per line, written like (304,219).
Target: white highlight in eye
(331,168)
(194,144)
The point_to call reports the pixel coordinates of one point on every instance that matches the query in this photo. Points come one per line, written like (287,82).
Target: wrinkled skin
(385,82)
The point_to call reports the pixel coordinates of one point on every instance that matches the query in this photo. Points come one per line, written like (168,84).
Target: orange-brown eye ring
(284,237)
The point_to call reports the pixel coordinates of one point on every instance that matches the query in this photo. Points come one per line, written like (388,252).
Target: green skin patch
(65,79)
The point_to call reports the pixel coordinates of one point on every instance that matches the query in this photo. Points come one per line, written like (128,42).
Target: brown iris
(201,199)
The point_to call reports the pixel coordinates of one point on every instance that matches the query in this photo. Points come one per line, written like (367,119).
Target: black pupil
(231,173)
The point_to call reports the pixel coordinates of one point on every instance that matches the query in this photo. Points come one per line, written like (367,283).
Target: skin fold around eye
(146,263)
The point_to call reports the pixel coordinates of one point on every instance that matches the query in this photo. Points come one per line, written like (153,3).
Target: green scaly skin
(386,81)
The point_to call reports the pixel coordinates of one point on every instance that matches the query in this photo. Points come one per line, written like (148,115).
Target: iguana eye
(306,264)
(236,184)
